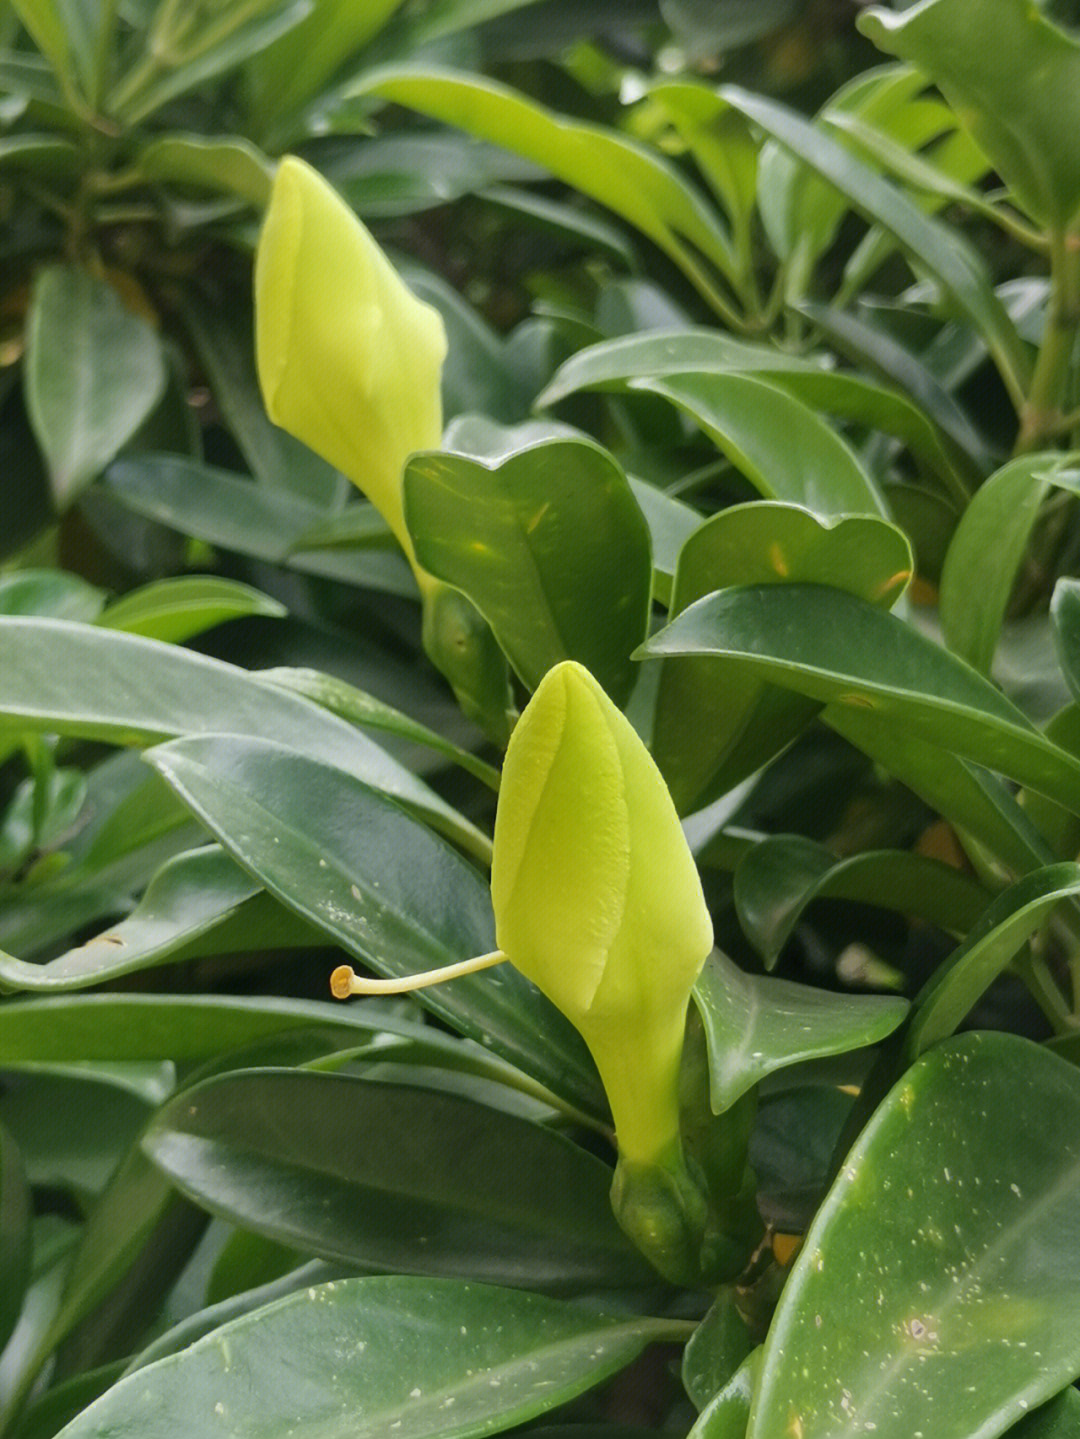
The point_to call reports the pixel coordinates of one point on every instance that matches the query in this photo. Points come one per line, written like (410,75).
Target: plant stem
(1043,410)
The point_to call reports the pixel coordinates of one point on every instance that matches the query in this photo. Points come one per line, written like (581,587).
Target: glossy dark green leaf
(715,725)
(756,1024)
(398,1177)
(937,249)
(177,609)
(715,1350)
(781,445)
(368,712)
(780,876)
(199,902)
(550,546)
(46,1415)
(612,363)
(969,971)
(379,884)
(14,1235)
(233,165)
(439,1359)
(727,1413)
(936,1292)
(838,649)
(1018,96)
(94,371)
(101,684)
(603,164)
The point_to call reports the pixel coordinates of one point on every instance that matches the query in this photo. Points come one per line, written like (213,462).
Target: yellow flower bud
(598,901)
(349,359)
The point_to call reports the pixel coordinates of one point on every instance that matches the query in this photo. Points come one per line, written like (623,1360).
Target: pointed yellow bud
(349,360)
(598,901)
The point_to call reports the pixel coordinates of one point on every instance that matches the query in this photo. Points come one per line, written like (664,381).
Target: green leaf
(986,552)
(1060,1419)
(671,523)
(727,1413)
(14,1235)
(368,712)
(233,165)
(440,1359)
(714,726)
(52,593)
(1065,614)
(551,547)
(396,1177)
(1002,931)
(933,1293)
(618,172)
(838,649)
(213,45)
(756,1024)
(936,249)
(1020,96)
(94,371)
(65,31)
(197,903)
(779,877)
(178,609)
(102,684)
(106,1027)
(782,447)
(715,1350)
(612,363)
(222,335)
(380,884)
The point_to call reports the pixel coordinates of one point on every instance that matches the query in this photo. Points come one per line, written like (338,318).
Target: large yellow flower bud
(597,898)
(349,360)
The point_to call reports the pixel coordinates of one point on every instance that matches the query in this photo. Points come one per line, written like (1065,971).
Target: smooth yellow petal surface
(349,360)
(597,898)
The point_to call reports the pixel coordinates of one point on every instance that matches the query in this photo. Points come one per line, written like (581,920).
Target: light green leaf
(178,609)
(603,164)
(986,552)
(94,371)
(233,165)
(937,249)
(1020,96)
(933,1293)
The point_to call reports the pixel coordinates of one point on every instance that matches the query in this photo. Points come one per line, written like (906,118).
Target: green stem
(1042,412)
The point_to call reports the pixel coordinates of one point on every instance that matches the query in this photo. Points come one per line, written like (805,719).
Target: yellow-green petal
(349,360)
